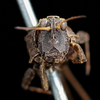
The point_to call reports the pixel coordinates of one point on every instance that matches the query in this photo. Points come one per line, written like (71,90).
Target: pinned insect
(51,43)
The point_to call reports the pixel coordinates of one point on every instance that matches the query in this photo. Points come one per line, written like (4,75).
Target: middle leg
(83,38)
(81,56)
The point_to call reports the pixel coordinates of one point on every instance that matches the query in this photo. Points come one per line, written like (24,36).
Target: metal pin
(56,85)
(27,13)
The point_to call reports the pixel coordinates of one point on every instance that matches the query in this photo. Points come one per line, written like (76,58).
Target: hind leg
(73,81)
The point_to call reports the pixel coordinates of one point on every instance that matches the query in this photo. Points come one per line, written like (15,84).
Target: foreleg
(43,77)
(28,77)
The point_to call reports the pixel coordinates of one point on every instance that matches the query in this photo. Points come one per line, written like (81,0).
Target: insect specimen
(51,43)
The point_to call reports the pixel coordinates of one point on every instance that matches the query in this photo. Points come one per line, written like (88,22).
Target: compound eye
(64,25)
(43,23)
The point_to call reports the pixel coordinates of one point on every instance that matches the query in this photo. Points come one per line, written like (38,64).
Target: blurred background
(14,54)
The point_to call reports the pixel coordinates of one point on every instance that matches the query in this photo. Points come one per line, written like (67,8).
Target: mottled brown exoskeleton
(49,44)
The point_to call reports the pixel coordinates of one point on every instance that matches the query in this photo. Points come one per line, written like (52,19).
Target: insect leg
(74,82)
(84,38)
(31,45)
(80,53)
(39,90)
(28,77)
(42,74)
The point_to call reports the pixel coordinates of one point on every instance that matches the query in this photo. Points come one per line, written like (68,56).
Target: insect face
(53,44)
